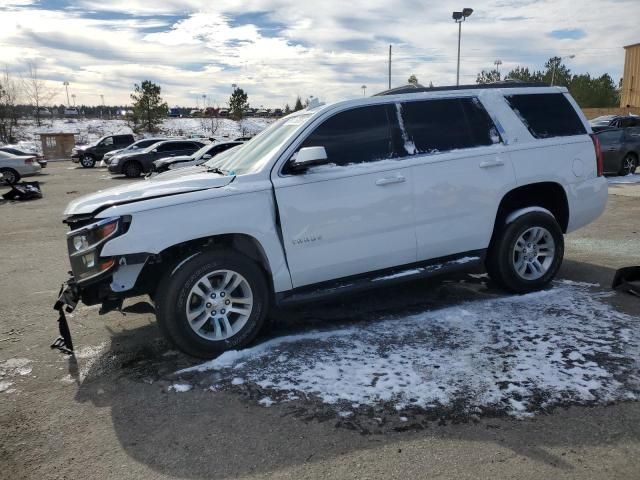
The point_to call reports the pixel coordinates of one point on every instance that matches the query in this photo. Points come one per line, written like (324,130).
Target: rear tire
(87,161)
(628,165)
(10,176)
(526,253)
(132,169)
(215,301)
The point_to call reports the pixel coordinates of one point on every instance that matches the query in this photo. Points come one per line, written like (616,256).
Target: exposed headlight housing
(85,245)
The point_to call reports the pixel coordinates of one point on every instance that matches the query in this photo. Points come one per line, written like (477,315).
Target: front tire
(526,253)
(216,301)
(87,161)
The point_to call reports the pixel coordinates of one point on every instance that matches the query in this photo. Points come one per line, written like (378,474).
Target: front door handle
(389,180)
(491,163)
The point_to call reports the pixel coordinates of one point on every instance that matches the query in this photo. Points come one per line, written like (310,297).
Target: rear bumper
(587,201)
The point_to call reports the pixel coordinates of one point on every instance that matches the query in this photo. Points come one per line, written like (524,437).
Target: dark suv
(133,164)
(89,155)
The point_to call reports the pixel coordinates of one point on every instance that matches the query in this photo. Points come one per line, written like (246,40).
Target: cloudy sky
(278,49)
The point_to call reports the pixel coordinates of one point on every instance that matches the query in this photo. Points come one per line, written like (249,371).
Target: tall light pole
(460,17)
(497,63)
(66,87)
(102,101)
(364,90)
(73,95)
(555,66)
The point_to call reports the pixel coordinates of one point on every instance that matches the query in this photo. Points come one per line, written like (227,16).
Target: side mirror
(207,156)
(308,157)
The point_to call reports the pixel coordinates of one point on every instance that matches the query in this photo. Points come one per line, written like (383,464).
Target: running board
(325,290)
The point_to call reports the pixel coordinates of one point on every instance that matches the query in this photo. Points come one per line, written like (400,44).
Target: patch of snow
(429,268)
(577,284)
(4,386)
(404,419)
(409,146)
(344,413)
(181,387)
(237,381)
(404,273)
(631,178)
(266,402)
(569,347)
(15,366)
(465,260)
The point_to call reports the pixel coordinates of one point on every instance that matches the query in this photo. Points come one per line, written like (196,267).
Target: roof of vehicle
(411,88)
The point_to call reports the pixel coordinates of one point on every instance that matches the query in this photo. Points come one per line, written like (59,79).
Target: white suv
(347,196)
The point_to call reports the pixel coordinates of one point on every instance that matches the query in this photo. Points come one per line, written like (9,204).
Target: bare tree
(9,98)
(36,90)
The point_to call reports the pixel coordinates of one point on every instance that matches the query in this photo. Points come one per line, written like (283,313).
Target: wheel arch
(170,258)
(550,196)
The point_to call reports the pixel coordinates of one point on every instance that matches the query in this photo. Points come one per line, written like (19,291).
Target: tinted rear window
(547,115)
(433,126)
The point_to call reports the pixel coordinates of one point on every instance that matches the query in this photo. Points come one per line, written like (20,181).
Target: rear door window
(610,136)
(171,147)
(354,136)
(433,126)
(547,115)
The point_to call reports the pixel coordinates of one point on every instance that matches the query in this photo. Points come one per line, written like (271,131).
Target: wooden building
(630,94)
(57,145)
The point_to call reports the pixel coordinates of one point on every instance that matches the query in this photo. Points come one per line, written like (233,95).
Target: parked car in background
(620,150)
(89,155)
(20,152)
(205,153)
(614,121)
(134,164)
(353,195)
(14,167)
(71,112)
(139,145)
(242,139)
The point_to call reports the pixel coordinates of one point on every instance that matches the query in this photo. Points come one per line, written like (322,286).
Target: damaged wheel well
(170,258)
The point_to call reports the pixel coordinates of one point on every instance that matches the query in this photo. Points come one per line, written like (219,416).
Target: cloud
(568,33)
(277,49)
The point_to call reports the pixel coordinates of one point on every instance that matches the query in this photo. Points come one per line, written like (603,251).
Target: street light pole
(66,87)
(460,17)
(364,90)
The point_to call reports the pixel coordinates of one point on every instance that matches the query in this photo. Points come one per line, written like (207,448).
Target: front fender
(251,213)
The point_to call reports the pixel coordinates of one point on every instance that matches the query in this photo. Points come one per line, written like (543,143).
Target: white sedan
(14,167)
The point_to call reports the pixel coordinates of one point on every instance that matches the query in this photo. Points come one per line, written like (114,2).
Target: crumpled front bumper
(68,299)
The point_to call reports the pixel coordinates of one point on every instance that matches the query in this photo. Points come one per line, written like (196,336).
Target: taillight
(596,145)
(28,161)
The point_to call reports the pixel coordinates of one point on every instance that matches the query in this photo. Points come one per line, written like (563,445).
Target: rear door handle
(389,180)
(491,163)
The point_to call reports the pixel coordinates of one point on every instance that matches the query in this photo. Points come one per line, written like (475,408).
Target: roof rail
(410,88)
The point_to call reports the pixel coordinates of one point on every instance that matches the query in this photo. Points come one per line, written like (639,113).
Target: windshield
(202,151)
(604,120)
(252,156)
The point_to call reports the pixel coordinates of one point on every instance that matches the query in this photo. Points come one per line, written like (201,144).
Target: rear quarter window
(546,115)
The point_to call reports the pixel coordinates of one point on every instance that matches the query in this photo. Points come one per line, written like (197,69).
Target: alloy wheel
(533,253)
(219,305)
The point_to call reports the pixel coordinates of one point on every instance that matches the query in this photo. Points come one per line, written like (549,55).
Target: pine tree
(287,109)
(148,107)
(238,103)
(298,105)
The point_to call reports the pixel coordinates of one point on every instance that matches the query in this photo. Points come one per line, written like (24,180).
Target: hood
(166,160)
(173,182)
(112,153)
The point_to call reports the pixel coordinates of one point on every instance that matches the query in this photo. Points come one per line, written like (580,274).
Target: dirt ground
(110,413)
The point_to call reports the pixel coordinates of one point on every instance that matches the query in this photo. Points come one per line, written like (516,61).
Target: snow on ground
(516,355)
(90,130)
(10,369)
(634,178)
